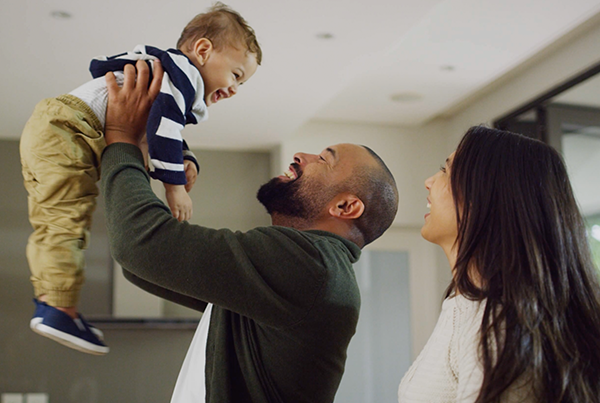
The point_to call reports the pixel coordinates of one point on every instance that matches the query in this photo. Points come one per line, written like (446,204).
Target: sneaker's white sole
(66,339)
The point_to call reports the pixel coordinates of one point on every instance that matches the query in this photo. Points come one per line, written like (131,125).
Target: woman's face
(440,223)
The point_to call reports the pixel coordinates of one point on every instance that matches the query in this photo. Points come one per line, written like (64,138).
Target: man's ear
(346,206)
(203,48)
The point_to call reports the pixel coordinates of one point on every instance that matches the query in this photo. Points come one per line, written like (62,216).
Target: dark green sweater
(286,302)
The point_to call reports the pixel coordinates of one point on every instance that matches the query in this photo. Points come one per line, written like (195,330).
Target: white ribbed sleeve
(448,369)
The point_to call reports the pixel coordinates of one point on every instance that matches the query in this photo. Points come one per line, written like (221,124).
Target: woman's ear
(203,48)
(346,206)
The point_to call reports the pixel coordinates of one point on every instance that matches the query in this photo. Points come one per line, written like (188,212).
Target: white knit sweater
(448,369)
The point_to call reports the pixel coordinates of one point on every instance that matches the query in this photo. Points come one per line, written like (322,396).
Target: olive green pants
(61,146)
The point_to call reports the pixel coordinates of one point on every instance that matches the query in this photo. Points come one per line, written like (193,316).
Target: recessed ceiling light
(447,67)
(324,35)
(60,15)
(406,97)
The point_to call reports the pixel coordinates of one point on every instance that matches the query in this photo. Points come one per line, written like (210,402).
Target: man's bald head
(345,182)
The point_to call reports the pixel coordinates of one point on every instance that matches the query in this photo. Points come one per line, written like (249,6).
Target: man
(282,300)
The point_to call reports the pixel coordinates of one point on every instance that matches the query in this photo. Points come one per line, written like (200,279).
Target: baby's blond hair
(223,27)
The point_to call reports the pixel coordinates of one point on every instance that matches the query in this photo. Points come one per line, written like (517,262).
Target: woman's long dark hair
(522,244)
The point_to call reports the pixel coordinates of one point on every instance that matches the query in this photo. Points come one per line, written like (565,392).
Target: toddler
(62,144)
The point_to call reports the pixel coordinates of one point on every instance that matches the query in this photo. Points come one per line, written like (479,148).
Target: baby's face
(224,71)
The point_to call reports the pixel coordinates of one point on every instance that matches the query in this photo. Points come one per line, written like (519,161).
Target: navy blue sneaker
(60,327)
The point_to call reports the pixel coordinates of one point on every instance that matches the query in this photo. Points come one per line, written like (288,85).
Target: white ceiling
(438,51)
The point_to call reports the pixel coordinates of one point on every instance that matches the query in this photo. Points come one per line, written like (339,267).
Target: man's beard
(291,199)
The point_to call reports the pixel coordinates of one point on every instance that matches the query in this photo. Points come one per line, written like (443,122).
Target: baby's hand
(179,201)
(191,173)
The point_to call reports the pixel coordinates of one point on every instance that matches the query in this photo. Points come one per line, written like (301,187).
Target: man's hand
(191,174)
(128,106)
(179,201)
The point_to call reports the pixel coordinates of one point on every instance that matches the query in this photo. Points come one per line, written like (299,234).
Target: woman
(521,318)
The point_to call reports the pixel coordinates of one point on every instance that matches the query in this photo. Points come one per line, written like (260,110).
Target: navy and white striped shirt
(180,102)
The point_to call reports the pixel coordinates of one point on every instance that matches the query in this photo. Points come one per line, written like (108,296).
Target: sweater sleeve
(469,369)
(180,102)
(270,274)
(165,143)
(189,155)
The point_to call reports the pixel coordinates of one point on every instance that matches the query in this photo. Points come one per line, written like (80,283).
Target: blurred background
(405,78)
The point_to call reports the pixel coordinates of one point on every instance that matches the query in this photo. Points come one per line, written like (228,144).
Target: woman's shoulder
(467,315)
(466,308)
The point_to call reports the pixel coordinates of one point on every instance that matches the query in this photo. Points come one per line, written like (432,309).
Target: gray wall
(143,364)
(380,352)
